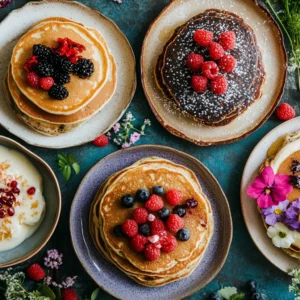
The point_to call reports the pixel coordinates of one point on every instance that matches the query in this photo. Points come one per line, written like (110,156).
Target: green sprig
(66,164)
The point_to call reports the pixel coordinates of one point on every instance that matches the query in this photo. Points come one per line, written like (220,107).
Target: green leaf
(227,292)
(76,167)
(61,163)
(72,159)
(95,294)
(47,292)
(237,297)
(63,158)
(67,171)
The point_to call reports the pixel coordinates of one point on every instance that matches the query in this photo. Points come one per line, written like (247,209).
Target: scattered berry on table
(203,37)
(61,78)
(164,213)
(227,63)
(227,40)
(68,294)
(130,227)
(219,85)
(216,51)
(151,252)
(84,68)
(256,296)
(138,242)
(43,52)
(179,210)
(44,69)
(183,234)
(145,229)
(140,215)
(199,83)
(35,272)
(128,200)
(58,92)
(154,203)
(174,223)
(210,69)
(33,80)
(158,190)
(157,226)
(142,195)
(191,203)
(118,231)
(168,243)
(285,112)
(174,196)
(46,83)
(101,141)
(194,62)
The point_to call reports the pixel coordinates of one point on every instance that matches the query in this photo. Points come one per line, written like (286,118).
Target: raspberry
(227,63)
(155,203)
(199,83)
(157,226)
(174,196)
(35,272)
(227,40)
(46,83)
(138,242)
(33,80)
(203,37)
(140,215)
(219,85)
(130,227)
(168,243)
(31,63)
(216,51)
(101,141)
(285,112)
(210,69)
(194,62)
(68,294)
(152,253)
(174,223)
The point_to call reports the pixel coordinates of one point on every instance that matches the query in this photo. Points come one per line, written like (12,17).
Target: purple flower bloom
(275,213)
(69,282)
(116,127)
(53,259)
(134,137)
(48,280)
(292,216)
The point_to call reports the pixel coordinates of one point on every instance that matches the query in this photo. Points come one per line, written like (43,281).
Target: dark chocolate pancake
(244,83)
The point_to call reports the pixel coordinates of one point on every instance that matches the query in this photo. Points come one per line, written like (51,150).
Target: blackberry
(44,69)
(144,229)
(142,195)
(164,213)
(128,200)
(62,64)
(158,190)
(61,78)
(58,92)
(43,52)
(84,68)
(179,210)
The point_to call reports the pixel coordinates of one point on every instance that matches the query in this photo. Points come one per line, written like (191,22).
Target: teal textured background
(226,162)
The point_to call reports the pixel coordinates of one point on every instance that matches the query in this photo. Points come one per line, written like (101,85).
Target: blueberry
(164,213)
(183,234)
(179,210)
(215,296)
(145,229)
(256,296)
(252,285)
(128,200)
(118,231)
(158,190)
(142,195)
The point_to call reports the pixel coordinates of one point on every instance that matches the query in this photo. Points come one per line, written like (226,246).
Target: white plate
(20,21)
(251,216)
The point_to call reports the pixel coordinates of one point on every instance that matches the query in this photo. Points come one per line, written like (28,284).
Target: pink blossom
(126,145)
(134,137)
(116,127)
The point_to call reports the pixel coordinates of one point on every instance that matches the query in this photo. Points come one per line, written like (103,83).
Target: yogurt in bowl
(22,204)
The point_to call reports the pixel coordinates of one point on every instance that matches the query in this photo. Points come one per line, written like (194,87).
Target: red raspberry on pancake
(154,203)
(210,69)
(227,40)
(152,252)
(216,51)
(219,85)
(227,63)
(140,215)
(174,223)
(130,227)
(168,243)
(174,196)
(157,226)
(194,62)
(203,37)
(199,83)
(138,242)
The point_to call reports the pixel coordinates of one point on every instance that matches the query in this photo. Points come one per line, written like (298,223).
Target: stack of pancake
(244,84)
(107,212)
(86,96)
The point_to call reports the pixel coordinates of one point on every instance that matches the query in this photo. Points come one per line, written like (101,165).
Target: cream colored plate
(251,216)
(274,59)
(20,21)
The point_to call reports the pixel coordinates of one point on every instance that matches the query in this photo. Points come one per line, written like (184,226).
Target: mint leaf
(67,171)
(227,292)
(47,292)
(76,167)
(66,164)
(95,294)
(62,158)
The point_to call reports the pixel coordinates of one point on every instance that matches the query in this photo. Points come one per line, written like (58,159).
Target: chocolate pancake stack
(244,83)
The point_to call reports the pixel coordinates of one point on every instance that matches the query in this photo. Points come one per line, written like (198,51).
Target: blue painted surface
(225,162)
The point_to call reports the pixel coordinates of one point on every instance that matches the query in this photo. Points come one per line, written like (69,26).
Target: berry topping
(227,63)
(43,52)
(11,211)
(168,243)
(164,213)
(84,68)
(44,69)
(216,51)
(30,64)
(140,215)
(227,40)
(118,231)
(157,226)
(145,229)
(183,234)
(2,213)
(151,218)
(199,83)
(68,294)
(219,85)
(191,203)
(31,191)
(130,227)
(142,195)
(61,78)
(285,112)
(13,184)
(179,210)
(128,200)
(194,62)
(62,64)
(58,92)
(155,203)
(46,83)
(158,190)
(174,196)
(153,239)
(35,272)
(210,69)
(152,253)
(33,80)
(101,141)
(203,37)
(138,242)
(174,223)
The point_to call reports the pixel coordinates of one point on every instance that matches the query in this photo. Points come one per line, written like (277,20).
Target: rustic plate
(20,21)
(251,216)
(270,42)
(112,279)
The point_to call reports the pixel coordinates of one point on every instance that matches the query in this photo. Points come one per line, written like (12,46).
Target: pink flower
(269,189)
(116,127)
(134,137)
(126,145)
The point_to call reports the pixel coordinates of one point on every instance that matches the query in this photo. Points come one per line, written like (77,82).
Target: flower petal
(253,191)
(279,194)
(272,232)
(265,200)
(271,219)
(281,179)
(268,176)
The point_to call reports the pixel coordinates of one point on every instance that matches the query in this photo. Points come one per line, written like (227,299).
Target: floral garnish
(66,164)
(295,286)
(269,189)
(295,181)
(4,3)
(275,213)
(53,259)
(292,215)
(118,1)
(124,134)
(281,236)
(295,168)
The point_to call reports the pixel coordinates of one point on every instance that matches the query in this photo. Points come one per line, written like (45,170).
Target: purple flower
(48,280)
(269,189)
(292,216)
(275,213)
(134,137)
(69,282)
(116,127)
(53,259)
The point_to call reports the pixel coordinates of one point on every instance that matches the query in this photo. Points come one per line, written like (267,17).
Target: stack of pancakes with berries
(60,74)
(152,221)
(211,67)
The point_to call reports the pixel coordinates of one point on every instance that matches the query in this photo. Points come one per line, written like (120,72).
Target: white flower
(281,236)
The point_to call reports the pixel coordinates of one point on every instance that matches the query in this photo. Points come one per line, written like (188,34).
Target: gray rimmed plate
(51,192)
(112,279)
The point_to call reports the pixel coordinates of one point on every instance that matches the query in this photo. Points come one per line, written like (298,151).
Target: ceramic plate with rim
(20,21)
(251,215)
(111,279)
(270,42)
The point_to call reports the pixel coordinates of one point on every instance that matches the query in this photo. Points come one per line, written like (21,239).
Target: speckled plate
(112,279)
(251,216)
(20,21)
(270,42)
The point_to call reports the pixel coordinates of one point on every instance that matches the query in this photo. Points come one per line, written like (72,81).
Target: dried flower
(53,259)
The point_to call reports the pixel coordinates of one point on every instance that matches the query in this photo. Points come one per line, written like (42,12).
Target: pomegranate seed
(1,190)
(16,191)
(31,191)
(9,203)
(3,201)
(2,213)
(11,211)
(6,190)
(1,205)
(13,184)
